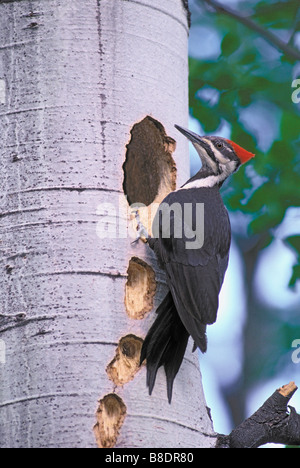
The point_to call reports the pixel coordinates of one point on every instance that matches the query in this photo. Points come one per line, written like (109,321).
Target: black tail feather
(165,345)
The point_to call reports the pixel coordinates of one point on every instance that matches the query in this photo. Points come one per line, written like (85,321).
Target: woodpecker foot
(142,233)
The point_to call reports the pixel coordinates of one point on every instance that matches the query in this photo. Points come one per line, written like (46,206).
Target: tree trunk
(76,296)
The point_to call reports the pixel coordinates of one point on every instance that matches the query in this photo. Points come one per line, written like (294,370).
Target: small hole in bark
(110,418)
(9,269)
(126,362)
(140,289)
(149,169)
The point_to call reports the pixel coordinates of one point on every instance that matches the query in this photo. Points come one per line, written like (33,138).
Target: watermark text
(296,93)
(176,221)
(296,353)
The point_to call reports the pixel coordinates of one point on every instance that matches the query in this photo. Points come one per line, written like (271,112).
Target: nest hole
(110,415)
(140,289)
(149,169)
(126,362)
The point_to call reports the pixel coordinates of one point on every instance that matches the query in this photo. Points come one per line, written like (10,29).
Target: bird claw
(142,233)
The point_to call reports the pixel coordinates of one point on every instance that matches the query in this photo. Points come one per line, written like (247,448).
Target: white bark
(78,75)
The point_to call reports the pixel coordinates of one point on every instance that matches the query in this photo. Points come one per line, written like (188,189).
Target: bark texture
(78,76)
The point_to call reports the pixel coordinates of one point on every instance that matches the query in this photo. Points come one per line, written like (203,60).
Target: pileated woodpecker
(194,275)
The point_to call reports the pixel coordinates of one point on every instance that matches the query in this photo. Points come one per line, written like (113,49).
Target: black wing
(194,276)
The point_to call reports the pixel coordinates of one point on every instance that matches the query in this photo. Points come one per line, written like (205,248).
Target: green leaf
(249,58)
(228,105)
(207,116)
(281,155)
(230,44)
(294,242)
(295,276)
(271,218)
(279,15)
(224,81)
(243,138)
(245,97)
(290,126)
(260,197)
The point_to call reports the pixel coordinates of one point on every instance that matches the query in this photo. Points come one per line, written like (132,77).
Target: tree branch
(249,23)
(295,28)
(272,423)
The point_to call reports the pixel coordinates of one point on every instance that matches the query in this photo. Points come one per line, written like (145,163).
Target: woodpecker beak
(200,145)
(193,137)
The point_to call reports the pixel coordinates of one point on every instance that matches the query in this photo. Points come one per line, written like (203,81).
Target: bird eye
(220,145)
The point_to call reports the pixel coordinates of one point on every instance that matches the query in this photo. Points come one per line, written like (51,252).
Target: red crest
(242,154)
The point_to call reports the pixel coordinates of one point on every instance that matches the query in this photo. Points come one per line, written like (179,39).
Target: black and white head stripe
(218,156)
(219,161)
(219,150)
